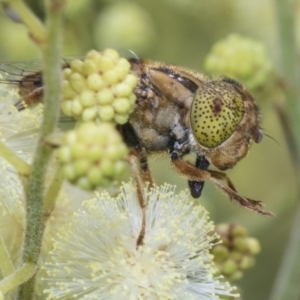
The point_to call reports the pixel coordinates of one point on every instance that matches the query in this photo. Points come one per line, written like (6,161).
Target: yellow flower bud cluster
(237,251)
(241,58)
(99,88)
(92,155)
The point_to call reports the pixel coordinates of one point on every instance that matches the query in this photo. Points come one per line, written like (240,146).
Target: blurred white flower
(18,130)
(95,255)
(124,25)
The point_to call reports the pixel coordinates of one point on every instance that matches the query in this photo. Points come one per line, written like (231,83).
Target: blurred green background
(182,32)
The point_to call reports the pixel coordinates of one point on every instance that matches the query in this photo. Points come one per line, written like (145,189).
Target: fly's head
(224,120)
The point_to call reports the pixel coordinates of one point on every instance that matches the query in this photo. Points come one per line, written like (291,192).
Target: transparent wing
(18,79)
(14,72)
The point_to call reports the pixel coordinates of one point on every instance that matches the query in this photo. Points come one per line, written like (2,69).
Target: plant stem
(18,277)
(35,26)
(287,41)
(6,265)
(35,189)
(286,285)
(18,163)
(53,191)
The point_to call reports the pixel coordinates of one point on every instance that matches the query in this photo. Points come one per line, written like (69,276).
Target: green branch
(18,163)
(6,265)
(35,187)
(53,191)
(35,26)
(286,286)
(20,276)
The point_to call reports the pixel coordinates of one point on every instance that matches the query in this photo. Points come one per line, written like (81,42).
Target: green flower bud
(106,113)
(93,55)
(84,183)
(223,229)
(95,82)
(238,230)
(96,152)
(76,107)
(89,67)
(247,262)
(122,90)
(95,176)
(81,166)
(111,77)
(87,98)
(77,82)
(119,168)
(105,63)
(89,114)
(253,245)
(220,253)
(121,119)
(240,244)
(121,105)
(229,267)
(236,276)
(69,172)
(71,137)
(131,80)
(68,92)
(77,151)
(76,65)
(65,154)
(107,167)
(236,255)
(105,96)
(112,54)
(67,72)
(66,107)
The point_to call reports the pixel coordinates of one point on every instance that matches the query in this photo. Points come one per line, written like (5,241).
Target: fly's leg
(223,176)
(134,161)
(130,137)
(196,187)
(194,174)
(145,171)
(140,171)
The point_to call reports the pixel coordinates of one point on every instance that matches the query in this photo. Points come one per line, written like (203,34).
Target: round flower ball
(99,88)
(237,251)
(96,256)
(92,155)
(124,25)
(241,58)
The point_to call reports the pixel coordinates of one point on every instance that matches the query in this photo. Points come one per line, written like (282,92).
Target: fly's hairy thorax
(164,98)
(154,123)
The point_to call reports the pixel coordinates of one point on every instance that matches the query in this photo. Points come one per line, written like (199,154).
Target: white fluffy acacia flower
(95,256)
(19,132)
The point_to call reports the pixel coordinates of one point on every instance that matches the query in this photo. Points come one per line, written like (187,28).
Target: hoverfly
(180,111)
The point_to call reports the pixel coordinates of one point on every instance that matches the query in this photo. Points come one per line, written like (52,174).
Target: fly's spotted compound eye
(216,111)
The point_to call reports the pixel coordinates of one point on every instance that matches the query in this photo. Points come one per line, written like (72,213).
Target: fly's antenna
(128,54)
(270,137)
